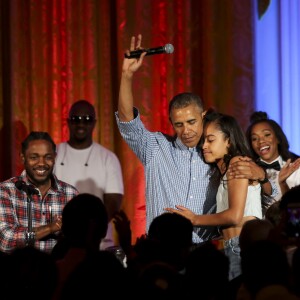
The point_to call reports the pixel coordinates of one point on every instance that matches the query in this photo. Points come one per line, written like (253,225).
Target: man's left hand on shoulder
(245,167)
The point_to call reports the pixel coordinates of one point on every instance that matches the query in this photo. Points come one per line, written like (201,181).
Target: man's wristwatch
(265,180)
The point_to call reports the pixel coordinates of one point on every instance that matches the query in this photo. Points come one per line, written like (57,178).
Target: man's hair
(183,100)
(37,135)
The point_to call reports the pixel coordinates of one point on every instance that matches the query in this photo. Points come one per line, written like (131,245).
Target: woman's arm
(237,194)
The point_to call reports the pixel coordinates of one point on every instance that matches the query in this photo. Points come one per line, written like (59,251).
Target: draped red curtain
(54,52)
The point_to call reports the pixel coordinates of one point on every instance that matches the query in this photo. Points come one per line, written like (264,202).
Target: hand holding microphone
(136,52)
(168,49)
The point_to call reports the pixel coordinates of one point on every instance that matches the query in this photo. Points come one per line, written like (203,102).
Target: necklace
(87,160)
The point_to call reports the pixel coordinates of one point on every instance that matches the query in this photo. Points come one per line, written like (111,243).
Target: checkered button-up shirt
(14,212)
(174,173)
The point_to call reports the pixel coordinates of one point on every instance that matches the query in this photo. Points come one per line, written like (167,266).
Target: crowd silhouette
(164,264)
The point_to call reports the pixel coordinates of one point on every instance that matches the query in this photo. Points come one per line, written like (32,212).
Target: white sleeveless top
(253,201)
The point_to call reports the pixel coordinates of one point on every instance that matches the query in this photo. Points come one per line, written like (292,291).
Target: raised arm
(130,66)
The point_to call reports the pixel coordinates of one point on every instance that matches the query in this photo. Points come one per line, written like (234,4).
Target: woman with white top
(270,149)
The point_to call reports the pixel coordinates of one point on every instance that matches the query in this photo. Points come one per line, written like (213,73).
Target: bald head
(82,107)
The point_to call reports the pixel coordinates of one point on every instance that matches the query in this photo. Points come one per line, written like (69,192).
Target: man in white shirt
(89,166)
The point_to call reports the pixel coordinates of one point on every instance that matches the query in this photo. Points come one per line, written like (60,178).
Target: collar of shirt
(55,186)
(279,159)
(181,146)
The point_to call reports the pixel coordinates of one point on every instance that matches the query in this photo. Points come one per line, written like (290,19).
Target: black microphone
(28,189)
(168,48)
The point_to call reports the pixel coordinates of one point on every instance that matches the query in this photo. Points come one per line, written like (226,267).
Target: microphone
(28,189)
(168,48)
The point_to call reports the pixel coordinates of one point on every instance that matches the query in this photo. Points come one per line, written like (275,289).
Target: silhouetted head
(172,229)
(169,240)
(253,231)
(84,221)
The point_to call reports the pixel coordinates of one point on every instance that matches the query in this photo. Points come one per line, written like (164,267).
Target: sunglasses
(85,119)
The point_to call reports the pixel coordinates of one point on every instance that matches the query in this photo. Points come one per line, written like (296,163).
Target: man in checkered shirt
(31,204)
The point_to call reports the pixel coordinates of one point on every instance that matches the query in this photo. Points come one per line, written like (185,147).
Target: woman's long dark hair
(231,129)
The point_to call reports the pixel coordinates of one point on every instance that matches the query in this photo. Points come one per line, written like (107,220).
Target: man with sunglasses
(89,166)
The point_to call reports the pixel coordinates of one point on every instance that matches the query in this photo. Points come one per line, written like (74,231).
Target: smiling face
(215,144)
(38,161)
(188,124)
(264,141)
